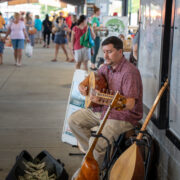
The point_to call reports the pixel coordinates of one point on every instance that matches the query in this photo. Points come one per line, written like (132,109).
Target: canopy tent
(74,2)
(14,2)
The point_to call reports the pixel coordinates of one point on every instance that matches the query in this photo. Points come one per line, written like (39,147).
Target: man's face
(112,55)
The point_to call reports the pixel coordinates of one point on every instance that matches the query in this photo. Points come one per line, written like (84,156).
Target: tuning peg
(111,92)
(103,90)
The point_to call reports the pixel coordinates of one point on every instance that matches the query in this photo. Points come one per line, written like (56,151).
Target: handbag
(86,39)
(32,30)
(91,41)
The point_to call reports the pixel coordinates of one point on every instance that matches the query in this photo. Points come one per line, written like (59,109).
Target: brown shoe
(54,60)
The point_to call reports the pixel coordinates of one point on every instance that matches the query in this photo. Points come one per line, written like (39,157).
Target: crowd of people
(120,74)
(64,32)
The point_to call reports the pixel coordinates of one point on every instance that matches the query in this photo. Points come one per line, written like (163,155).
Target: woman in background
(97,28)
(29,24)
(82,54)
(60,39)
(17,33)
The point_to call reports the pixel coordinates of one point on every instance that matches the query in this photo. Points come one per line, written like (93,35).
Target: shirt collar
(118,66)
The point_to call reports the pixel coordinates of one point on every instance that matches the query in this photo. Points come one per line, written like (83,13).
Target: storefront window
(174,111)
(150,50)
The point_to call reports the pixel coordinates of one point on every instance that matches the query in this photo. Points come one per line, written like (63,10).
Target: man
(121,76)
(68,20)
(2,21)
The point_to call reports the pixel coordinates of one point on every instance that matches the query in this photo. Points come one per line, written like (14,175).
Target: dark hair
(81,19)
(28,16)
(47,17)
(117,42)
(0,14)
(96,9)
(58,18)
(75,17)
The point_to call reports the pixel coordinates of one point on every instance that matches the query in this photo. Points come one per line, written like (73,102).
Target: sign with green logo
(116,25)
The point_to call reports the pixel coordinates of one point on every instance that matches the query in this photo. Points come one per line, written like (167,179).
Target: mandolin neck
(105,96)
(114,98)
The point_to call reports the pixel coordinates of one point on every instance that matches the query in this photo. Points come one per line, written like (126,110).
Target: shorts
(38,35)
(60,39)
(1,47)
(18,43)
(83,54)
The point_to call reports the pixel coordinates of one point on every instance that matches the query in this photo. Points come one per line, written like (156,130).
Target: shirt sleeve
(93,21)
(74,29)
(131,85)
(23,25)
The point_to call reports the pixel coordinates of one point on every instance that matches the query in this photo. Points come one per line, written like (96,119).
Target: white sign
(116,25)
(103,8)
(76,101)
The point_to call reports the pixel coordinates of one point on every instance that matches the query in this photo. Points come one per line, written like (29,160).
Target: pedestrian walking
(2,41)
(47,28)
(60,39)
(97,28)
(82,54)
(38,26)
(30,27)
(17,31)
(2,21)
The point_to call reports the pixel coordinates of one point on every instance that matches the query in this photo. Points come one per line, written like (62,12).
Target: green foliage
(133,6)
(47,9)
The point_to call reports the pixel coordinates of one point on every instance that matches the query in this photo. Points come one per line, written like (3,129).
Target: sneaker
(18,64)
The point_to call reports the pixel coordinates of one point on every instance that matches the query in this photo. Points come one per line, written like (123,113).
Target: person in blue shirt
(38,26)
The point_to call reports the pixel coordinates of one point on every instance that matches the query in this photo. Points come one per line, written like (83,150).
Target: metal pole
(124,7)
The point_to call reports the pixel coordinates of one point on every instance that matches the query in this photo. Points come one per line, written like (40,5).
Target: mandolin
(95,83)
(130,165)
(90,169)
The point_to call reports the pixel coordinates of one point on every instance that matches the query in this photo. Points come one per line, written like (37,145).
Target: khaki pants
(83,121)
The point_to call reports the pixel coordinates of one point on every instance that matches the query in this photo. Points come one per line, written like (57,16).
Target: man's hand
(93,96)
(83,90)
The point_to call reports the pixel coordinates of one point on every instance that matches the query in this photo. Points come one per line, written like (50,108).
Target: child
(1,48)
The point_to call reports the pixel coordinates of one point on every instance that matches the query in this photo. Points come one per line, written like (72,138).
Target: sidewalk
(33,101)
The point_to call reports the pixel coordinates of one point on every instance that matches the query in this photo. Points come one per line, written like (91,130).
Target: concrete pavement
(33,100)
